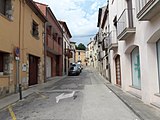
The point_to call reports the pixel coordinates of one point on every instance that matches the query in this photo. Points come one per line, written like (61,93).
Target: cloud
(80,15)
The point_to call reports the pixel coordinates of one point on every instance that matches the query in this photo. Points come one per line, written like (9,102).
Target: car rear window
(72,68)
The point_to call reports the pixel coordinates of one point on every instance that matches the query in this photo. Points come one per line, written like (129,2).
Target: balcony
(100,56)
(49,42)
(57,48)
(105,43)
(112,40)
(53,46)
(68,53)
(126,24)
(100,37)
(147,9)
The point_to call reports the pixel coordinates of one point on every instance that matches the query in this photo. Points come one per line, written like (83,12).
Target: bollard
(20,91)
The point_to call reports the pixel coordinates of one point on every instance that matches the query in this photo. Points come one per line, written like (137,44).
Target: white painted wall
(147,33)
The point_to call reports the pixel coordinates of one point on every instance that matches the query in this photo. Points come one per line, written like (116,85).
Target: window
(115,21)
(4,63)
(49,30)
(158,60)
(136,74)
(6,8)
(35,32)
(78,53)
(59,40)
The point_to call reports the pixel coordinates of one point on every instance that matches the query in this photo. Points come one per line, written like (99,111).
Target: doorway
(33,70)
(118,70)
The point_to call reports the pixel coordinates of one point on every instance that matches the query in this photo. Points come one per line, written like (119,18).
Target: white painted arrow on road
(63,96)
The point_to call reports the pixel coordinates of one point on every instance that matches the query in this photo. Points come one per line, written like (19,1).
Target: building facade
(53,43)
(90,53)
(73,52)
(102,41)
(81,57)
(133,47)
(66,47)
(21,63)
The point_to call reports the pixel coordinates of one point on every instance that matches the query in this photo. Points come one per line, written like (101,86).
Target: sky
(81,16)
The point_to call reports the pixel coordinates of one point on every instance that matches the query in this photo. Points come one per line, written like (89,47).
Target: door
(118,70)
(57,65)
(48,67)
(136,73)
(33,70)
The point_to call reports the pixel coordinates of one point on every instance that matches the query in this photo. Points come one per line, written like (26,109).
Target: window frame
(158,62)
(7,10)
(35,28)
(131,54)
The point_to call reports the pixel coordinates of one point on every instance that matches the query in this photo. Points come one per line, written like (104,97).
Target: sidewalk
(8,100)
(143,111)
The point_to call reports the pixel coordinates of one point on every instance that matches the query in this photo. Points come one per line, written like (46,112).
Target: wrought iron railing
(126,20)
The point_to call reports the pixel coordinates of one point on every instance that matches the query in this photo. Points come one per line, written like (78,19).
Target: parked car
(74,70)
(79,66)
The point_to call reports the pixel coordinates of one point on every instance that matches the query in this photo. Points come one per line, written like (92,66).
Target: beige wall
(81,57)
(17,33)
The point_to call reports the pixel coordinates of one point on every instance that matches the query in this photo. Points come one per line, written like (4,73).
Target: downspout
(62,54)
(18,84)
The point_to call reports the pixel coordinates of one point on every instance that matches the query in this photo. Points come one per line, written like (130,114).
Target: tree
(81,46)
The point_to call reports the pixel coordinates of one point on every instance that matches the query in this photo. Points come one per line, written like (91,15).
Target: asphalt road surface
(83,97)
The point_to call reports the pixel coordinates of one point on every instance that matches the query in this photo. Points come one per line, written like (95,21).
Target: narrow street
(83,97)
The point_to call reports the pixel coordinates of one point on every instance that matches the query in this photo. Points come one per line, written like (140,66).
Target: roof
(81,50)
(72,42)
(100,15)
(36,10)
(105,16)
(66,28)
(90,42)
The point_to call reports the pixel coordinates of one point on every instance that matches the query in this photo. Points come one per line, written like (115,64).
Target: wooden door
(118,70)
(33,70)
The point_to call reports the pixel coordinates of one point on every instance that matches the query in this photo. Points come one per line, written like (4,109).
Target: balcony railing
(53,46)
(57,48)
(68,53)
(147,9)
(49,42)
(112,40)
(126,24)
(105,41)
(100,55)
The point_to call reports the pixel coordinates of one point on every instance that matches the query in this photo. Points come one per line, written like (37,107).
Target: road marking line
(11,113)
(43,96)
(62,96)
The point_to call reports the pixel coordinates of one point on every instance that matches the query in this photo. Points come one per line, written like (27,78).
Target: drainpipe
(19,86)
(45,51)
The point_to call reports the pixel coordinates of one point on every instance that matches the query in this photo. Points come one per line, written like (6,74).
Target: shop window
(6,8)
(158,60)
(35,32)
(136,74)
